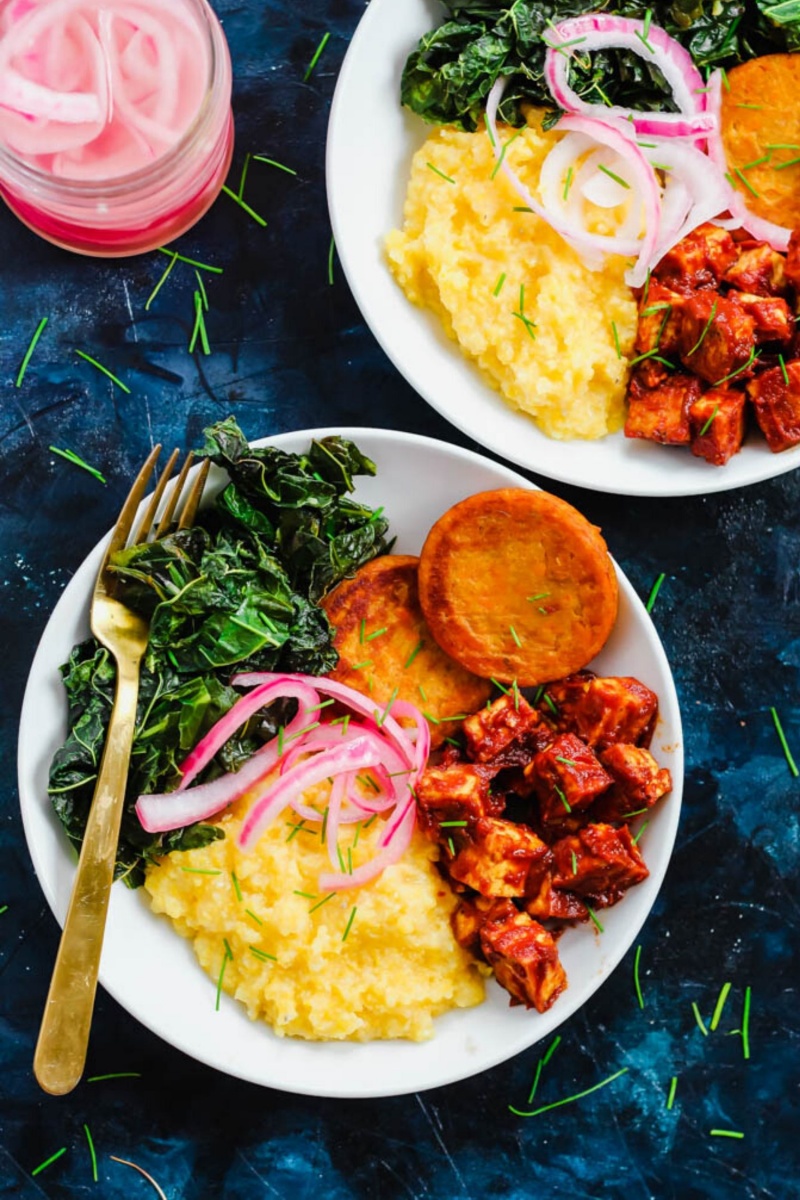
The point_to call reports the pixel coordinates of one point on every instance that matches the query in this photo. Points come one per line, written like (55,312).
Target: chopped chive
(371,821)
(756,107)
(672,1088)
(595,919)
(77,461)
(164,277)
(441,174)
(643,39)
(538,596)
(503,150)
(243,176)
(105,371)
(730,1133)
(262,954)
(756,162)
(723,996)
(390,702)
(699,1020)
(361,629)
(321,705)
(451,847)
(192,262)
(454,717)
(569,762)
(272,163)
(305,895)
(535,1083)
(617,178)
(115,1075)
(453,824)
(324,829)
(648,16)
(514,635)
(221,975)
(281,735)
(782,146)
(315,56)
(515,688)
(350,920)
(324,899)
(740,174)
(725,80)
(341,860)
(201,287)
(706,328)
(498,685)
(739,370)
(784,744)
(574,863)
(90,1144)
(377,633)
(228,950)
(201,871)
(784,372)
(567,183)
(199,329)
(639,834)
(551,1049)
(250,913)
(790,162)
(29,352)
(616,339)
(48,1161)
(550,704)
(349,860)
(500,281)
(665,362)
(450,741)
(528,323)
(562,798)
(243,205)
(159,1190)
(331,253)
(746,1024)
(489,129)
(654,308)
(636,982)
(413,654)
(430,717)
(569,1099)
(635,812)
(654,590)
(358,834)
(708,423)
(360,666)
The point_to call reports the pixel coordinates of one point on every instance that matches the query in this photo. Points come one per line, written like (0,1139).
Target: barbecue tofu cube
(777,405)
(661,413)
(606,862)
(774,320)
(603,710)
(659,321)
(525,960)
(549,903)
(459,792)
(698,261)
(638,782)
(760,271)
(718,424)
(717,336)
(506,733)
(468,917)
(497,858)
(567,777)
(792,261)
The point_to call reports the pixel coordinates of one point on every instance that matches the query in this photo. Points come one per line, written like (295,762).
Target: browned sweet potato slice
(384,644)
(516,584)
(759,112)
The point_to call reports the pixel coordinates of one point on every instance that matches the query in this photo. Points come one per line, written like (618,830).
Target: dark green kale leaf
(235,593)
(450,73)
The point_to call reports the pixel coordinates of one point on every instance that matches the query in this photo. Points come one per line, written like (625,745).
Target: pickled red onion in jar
(93,91)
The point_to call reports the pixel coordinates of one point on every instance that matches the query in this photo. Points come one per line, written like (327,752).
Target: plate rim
(668,700)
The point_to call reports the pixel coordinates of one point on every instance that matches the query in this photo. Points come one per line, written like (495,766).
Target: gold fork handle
(64,1035)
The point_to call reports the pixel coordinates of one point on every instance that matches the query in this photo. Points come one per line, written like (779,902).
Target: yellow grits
(396,969)
(560,365)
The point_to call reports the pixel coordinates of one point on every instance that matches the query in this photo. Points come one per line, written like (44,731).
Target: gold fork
(64,1035)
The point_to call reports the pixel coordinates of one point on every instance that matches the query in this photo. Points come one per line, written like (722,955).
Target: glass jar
(115,212)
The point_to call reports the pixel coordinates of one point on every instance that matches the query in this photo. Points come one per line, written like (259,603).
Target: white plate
(371,140)
(152,971)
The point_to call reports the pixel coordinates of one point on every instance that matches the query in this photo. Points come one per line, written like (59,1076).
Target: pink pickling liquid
(115,126)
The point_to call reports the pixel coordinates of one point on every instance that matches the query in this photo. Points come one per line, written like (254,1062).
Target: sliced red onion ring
(764,231)
(31,99)
(601,31)
(389,854)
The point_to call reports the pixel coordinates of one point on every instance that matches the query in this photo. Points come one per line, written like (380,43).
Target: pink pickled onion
(601,31)
(759,228)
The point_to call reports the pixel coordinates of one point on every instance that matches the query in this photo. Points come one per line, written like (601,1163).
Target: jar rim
(29,175)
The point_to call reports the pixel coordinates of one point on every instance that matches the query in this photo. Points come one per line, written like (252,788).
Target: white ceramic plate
(371,141)
(152,971)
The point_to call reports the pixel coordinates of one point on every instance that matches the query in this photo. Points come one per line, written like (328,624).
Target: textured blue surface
(291,351)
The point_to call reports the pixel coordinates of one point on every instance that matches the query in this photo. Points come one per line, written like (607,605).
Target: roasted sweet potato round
(761,131)
(517,585)
(385,644)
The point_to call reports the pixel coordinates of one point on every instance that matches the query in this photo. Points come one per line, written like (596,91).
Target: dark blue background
(291,351)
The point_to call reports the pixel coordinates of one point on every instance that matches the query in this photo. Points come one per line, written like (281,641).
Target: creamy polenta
(375,962)
(509,290)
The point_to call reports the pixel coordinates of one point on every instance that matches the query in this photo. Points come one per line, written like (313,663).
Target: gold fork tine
(166,516)
(155,499)
(195,495)
(126,517)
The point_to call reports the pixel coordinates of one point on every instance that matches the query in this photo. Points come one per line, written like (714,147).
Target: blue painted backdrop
(290,350)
